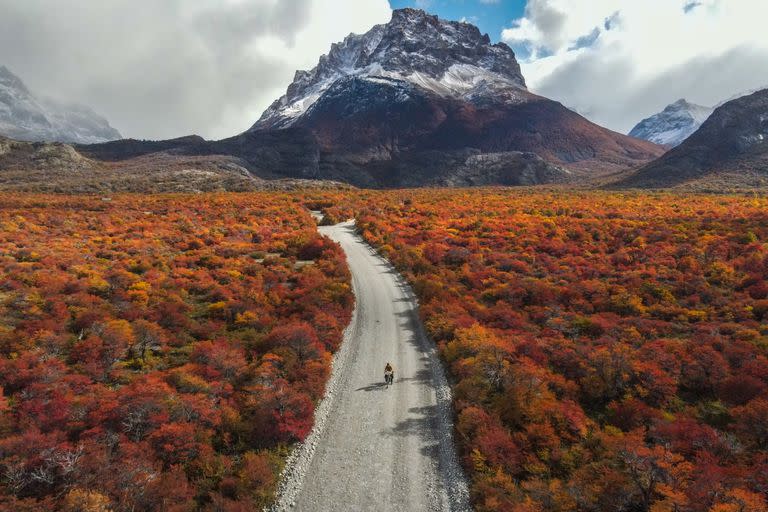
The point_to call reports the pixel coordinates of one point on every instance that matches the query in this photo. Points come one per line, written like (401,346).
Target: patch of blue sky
(491,16)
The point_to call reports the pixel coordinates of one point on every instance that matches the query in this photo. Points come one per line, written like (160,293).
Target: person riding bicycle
(389,373)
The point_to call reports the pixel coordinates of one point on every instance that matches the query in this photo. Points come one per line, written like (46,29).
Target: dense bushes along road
(160,353)
(608,351)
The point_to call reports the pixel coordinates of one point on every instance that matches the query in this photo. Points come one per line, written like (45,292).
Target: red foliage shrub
(149,347)
(608,350)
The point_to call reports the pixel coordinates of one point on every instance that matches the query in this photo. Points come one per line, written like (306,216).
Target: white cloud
(169,68)
(617,61)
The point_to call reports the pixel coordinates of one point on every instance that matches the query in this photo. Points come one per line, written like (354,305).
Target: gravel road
(376,447)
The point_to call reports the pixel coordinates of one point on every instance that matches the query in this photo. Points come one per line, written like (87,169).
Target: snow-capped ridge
(26,117)
(748,92)
(446,58)
(672,125)
(679,120)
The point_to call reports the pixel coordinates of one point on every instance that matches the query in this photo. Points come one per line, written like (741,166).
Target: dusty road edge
(297,463)
(454,478)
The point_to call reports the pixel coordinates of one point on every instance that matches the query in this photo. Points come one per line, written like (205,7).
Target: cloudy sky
(170,68)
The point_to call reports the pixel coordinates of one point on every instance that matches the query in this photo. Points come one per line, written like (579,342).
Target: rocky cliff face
(419,84)
(448,58)
(25,117)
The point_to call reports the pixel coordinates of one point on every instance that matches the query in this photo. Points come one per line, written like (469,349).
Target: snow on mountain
(447,58)
(672,125)
(25,117)
(728,152)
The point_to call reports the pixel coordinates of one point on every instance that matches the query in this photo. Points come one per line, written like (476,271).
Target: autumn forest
(606,351)
(160,353)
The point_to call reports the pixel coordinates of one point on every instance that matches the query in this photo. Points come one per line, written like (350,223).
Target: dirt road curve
(377,448)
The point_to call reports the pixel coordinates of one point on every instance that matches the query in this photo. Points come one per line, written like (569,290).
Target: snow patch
(673,125)
(446,58)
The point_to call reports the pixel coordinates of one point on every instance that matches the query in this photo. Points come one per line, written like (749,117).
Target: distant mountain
(420,85)
(414,102)
(673,125)
(23,116)
(678,121)
(729,151)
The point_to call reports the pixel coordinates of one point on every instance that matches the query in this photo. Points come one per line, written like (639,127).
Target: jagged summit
(447,58)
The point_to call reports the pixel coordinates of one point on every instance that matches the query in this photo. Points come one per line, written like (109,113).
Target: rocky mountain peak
(409,15)
(447,58)
(415,25)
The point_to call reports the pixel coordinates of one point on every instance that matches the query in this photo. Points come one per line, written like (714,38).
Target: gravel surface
(375,447)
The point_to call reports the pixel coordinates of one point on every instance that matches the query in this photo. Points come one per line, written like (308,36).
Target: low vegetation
(161,352)
(608,352)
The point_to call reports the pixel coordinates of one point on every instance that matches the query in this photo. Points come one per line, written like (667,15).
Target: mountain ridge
(729,150)
(679,120)
(414,102)
(672,125)
(26,117)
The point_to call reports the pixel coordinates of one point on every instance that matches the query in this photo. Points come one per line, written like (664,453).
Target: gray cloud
(637,57)
(163,69)
(610,92)
(549,21)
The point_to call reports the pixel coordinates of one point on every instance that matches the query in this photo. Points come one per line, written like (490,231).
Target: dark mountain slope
(730,150)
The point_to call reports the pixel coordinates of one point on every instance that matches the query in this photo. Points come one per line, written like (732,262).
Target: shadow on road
(351,228)
(387,269)
(422,376)
(420,423)
(407,322)
(373,387)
